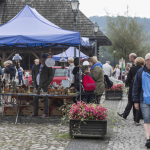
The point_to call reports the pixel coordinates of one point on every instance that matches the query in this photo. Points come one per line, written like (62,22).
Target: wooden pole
(29,60)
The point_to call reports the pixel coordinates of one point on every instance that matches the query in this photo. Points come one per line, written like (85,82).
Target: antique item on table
(24,86)
(53,91)
(38,91)
(34,91)
(65,83)
(56,93)
(7,88)
(4,82)
(50,62)
(29,89)
(26,81)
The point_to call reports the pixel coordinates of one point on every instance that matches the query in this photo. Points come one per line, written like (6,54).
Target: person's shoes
(44,116)
(121,115)
(137,124)
(32,115)
(147,143)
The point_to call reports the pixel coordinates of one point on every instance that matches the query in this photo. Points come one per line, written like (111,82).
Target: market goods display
(25,95)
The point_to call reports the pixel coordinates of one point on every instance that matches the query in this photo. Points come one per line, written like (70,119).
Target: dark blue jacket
(139,84)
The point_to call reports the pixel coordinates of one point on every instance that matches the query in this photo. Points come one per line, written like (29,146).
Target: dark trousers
(136,113)
(36,103)
(84,98)
(88,98)
(20,81)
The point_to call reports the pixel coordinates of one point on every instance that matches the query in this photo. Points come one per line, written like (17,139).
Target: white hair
(147,56)
(95,57)
(108,62)
(71,59)
(8,62)
(36,60)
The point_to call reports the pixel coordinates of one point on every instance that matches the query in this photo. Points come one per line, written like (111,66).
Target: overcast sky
(139,8)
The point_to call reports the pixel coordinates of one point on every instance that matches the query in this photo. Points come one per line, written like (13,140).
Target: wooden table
(19,98)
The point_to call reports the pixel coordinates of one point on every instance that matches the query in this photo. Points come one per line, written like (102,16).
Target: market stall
(69,53)
(30,29)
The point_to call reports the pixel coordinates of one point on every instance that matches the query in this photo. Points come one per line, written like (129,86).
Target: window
(60,72)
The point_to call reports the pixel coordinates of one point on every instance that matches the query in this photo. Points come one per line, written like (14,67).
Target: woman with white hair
(9,69)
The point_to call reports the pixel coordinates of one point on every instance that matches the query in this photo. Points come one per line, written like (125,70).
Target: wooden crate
(10,111)
(26,110)
(41,102)
(41,111)
(55,111)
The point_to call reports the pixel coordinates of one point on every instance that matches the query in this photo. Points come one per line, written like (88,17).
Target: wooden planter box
(114,95)
(88,128)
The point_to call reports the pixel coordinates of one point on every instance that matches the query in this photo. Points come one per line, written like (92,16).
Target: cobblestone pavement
(129,137)
(33,134)
(39,134)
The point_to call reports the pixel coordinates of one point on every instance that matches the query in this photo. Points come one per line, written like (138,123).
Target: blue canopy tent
(69,53)
(29,28)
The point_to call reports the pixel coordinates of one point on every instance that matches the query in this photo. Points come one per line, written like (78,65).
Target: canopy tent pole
(80,74)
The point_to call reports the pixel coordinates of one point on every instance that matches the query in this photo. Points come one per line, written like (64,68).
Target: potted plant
(87,120)
(115,92)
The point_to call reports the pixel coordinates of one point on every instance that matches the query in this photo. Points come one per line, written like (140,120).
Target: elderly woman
(139,62)
(98,77)
(9,69)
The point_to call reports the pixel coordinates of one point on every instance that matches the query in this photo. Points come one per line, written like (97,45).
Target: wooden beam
(3,56)
(35,55)
(9,56)
(1,59)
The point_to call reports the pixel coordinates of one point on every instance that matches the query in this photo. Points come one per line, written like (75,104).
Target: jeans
(145,108)
(20,81)
(36,103)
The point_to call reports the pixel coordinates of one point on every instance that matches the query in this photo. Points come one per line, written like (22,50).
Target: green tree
(127,36)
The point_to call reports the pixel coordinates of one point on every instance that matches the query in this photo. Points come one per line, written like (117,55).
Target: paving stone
(32,136)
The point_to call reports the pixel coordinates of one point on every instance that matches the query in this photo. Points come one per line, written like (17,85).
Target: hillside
(102,22)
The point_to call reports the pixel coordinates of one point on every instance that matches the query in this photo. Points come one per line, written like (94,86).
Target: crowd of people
(14,72)
(138,77)
(91,74)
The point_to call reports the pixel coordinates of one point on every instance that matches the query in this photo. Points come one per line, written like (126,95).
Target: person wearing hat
(42,77)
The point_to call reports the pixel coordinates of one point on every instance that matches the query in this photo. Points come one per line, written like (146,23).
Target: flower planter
(88,128)
(114,95)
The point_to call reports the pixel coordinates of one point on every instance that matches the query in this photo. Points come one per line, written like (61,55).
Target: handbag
(108,83)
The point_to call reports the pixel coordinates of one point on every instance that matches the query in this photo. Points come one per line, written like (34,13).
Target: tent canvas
(69,53)
(29,28)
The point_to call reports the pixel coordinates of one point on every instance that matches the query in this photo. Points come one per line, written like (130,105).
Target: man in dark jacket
(42,77)
(132,58)
(10,69)
(129,82)
(141,94)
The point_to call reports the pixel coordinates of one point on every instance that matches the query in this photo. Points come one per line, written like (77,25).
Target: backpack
(88,83)
(108,83)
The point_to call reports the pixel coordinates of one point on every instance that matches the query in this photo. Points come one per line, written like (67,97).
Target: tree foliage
(127,36)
